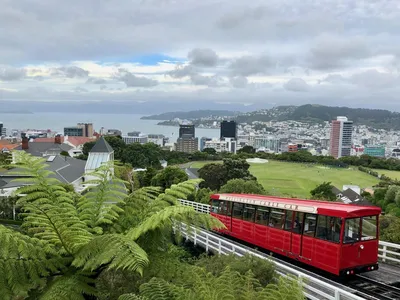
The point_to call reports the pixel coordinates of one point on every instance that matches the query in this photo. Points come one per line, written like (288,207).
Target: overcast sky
(333,52)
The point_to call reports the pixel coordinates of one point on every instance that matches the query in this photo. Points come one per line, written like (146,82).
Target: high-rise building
(341,137)
(228,129)
(203,141)
(2,130)
(186,131)
(87,129)
(187,142)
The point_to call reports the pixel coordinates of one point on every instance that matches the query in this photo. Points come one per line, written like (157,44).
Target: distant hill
(377,118)
(188,115)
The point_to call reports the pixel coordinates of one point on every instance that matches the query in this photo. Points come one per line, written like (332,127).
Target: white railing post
(384,253)
(195,237)
(219,246)
(206,242)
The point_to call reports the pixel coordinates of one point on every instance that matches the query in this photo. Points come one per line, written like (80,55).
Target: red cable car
(341,239)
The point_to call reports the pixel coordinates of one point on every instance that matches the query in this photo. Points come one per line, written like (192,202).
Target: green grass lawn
(389,173)
(298,179)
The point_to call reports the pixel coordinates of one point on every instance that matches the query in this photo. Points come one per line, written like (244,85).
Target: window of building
(298,223)
(237,210)
(276,218)
(328,228)
(262,215)
(352,231)
(310,222)
(289,220)
(249,213)
(369,229)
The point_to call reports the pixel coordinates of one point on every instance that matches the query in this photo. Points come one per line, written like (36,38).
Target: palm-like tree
(67,240)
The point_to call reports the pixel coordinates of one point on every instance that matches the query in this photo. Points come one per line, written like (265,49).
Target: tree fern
(132,297)
(115,250)
(69,286)
(101,204)
(49,211)
(287,288)
(157,289)
(25,262)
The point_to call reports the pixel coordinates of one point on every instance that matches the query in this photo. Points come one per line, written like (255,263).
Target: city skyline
(258,53)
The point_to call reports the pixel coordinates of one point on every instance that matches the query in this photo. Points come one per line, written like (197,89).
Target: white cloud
(227,51)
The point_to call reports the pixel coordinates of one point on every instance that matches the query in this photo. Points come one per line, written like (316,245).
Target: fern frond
(114,250)
(136,209)
(287,288)
(101,205)
(157,289)
(132,297)
(25,262)
(67,287)
(48,209)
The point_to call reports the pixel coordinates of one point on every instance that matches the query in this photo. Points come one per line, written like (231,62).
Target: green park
(298,179)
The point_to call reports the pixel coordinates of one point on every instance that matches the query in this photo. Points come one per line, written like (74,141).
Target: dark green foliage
(64,153)
(216,175)
(263,270)
(323,192)
(211,151)
(241,186)
(169,176)
(145,177)
(247,149)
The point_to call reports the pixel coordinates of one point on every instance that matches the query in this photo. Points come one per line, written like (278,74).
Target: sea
(124,122)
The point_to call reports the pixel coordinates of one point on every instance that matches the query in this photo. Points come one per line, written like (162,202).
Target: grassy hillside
(297,179)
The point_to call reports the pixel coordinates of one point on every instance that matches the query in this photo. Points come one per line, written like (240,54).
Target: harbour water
(123,122)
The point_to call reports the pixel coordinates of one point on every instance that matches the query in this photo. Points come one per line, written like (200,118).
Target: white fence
(314,288)
(388,252)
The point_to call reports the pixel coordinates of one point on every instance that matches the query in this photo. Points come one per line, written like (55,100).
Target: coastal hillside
(189,115)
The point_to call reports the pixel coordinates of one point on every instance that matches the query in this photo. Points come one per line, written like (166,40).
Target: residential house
(351,195)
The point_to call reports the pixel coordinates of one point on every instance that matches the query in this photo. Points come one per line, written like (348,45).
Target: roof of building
(308,206)
(40,149)
(336,191)
(79,140)
(66,169)
(47,140)
(102,146)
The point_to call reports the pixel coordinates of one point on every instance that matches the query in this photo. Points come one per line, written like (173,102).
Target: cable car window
(215,206)
(352,231)
(289,220)
(369,230)
(237,210)
(225,208)
(249,213)
(328,228)
(262,215)
(298,222)
(276,218)
(310,222)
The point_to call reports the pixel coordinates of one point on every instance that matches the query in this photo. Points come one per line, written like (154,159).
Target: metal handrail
(387,252)
(314,288)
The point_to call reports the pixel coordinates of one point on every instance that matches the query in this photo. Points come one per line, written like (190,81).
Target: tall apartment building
(87,129)
(3,130)
(341,137)
(187,142)
(228,130)
(82,129)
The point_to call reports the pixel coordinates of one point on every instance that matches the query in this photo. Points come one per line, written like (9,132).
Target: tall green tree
(323,192)
(69,243)
(241,186)
(169,176)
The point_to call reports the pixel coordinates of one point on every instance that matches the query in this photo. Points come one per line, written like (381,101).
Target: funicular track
(374,289)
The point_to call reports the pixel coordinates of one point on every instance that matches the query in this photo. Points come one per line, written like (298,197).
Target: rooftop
(102,146)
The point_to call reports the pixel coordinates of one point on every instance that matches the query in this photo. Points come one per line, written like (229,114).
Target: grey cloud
(334,78)
(134,81)
(375,79)
(296,85)
(103,87)
(182,71)
(239,81)
(79,89)
(95,80)
(330,52)
(251,65)
(70,72)
(11,74)
(210,81)
(38,77)
(203,57)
